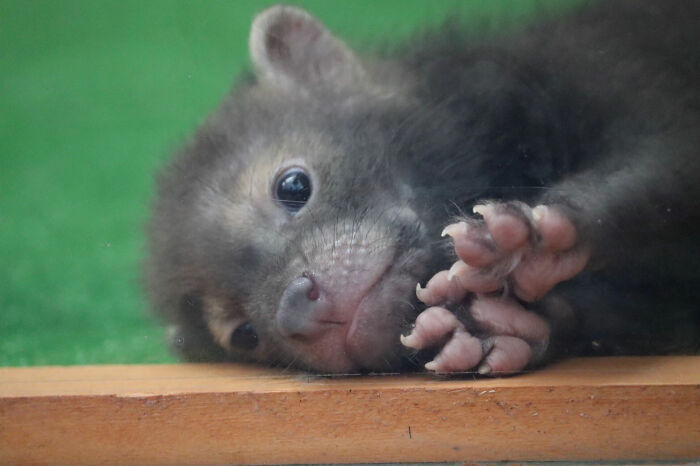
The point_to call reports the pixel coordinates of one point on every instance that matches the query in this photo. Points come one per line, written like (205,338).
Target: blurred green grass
(93,96)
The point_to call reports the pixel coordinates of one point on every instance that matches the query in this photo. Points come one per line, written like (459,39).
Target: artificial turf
(94,94)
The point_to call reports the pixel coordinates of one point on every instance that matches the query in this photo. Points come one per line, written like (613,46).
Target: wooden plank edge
(581,410)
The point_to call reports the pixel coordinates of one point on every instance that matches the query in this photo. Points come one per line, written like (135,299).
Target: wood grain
(583,409)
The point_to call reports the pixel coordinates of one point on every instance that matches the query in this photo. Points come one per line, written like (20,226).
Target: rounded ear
(292,50)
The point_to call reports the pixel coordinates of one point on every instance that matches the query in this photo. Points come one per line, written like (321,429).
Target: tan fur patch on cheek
(255,183)
(254,191)
(246,199)
(221,321)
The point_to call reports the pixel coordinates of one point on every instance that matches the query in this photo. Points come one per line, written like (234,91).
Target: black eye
(293,189)
(244,337)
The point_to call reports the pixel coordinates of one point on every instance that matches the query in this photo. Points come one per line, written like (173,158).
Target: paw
(528,250)
(525,251)
(515,337)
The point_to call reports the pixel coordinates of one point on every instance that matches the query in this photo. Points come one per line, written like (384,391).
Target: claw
(408,340)
(459,268)
(539,212)
(440,291)
(454,229)
(420,292)
(482,209)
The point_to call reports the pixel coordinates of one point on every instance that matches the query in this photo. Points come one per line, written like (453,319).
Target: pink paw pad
(518,336)
(438,327)
(433,326)
(508,355)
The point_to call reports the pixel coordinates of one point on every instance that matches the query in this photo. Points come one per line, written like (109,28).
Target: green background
(93,97)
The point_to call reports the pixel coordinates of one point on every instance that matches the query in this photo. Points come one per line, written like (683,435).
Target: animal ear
(291,49)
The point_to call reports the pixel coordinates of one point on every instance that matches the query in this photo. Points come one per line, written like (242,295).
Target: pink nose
(300,306)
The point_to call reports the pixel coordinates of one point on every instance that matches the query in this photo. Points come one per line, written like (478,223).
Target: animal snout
(300,304)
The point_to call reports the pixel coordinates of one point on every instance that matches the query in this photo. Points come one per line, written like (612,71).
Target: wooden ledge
(584,409)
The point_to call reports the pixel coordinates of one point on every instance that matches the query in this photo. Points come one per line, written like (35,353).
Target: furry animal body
(560,163)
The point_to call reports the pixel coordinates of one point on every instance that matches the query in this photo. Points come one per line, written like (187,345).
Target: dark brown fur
(598,111)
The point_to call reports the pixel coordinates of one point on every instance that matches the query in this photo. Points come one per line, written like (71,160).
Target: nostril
(314,291)
(299,292)
(300,306)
